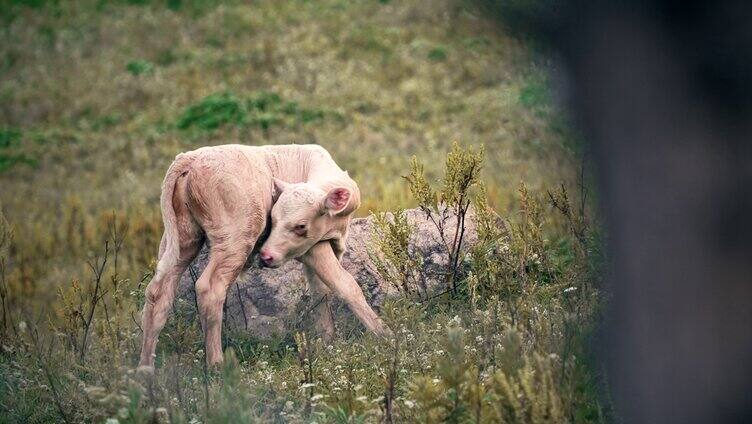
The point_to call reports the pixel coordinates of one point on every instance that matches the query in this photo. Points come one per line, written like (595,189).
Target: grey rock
(265,302)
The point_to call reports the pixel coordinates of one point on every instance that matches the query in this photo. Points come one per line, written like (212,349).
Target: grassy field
(97,97)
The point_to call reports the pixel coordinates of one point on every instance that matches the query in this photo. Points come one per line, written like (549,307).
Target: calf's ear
(336,200)
(277,188)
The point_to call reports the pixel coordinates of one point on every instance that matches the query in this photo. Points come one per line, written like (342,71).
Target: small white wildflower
(410,404)
(479,339)
(161,415)
(435,381)
(570,289)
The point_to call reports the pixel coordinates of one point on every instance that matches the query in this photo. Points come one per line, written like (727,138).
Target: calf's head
(303,215)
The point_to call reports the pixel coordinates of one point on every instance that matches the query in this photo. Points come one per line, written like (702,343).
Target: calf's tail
(170,247)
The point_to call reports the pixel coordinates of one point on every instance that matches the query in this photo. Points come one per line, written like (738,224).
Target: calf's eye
(300,230)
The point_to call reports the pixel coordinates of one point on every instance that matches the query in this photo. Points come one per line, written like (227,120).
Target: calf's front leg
(320,294)
(322,260)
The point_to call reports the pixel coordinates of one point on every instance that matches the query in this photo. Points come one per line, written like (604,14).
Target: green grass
(9,137)
(213,111)
(437,54)
(138,67)
(535,94)
(262,110)
(10,140)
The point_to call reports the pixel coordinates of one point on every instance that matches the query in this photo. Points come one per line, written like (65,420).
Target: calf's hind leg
(160,292)
(225,264)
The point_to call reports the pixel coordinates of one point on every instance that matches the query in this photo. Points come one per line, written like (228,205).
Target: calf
(224,196)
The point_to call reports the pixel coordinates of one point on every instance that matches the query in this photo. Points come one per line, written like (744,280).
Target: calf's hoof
(145,370)
(384,331)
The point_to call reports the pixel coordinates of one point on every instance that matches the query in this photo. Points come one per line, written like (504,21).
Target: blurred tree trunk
(663,94)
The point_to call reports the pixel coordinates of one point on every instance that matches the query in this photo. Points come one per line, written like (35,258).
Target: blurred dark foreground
(662,92)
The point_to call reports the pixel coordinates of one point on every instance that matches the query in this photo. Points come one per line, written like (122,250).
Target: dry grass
(101,137)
